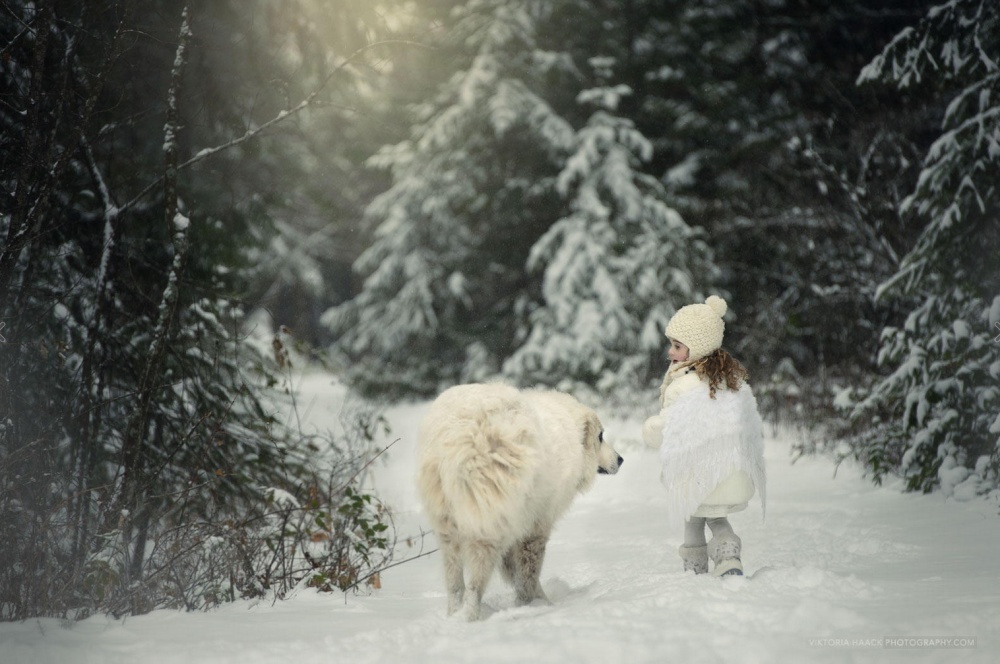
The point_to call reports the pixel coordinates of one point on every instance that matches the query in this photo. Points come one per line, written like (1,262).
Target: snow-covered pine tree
(471,192)
(614,268)
(763,141)
(940,405)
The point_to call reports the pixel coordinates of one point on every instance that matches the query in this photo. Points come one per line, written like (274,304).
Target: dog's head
(608,460)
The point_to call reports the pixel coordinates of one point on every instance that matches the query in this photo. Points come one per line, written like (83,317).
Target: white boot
(695,558)
(724,551)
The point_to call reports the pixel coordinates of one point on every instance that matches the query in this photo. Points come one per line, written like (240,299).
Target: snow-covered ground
(841,571)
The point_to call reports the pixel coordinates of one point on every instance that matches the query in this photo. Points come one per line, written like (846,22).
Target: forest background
(422,193)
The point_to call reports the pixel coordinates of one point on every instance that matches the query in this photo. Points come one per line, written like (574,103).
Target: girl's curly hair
(721,368)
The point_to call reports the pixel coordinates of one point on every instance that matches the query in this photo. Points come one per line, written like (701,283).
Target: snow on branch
(949,41)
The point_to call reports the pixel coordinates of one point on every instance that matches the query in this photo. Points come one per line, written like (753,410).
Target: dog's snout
(611,470)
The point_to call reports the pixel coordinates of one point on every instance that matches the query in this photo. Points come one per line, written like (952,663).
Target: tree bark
(135,482)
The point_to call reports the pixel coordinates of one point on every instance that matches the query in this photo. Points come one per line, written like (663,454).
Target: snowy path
(838,568)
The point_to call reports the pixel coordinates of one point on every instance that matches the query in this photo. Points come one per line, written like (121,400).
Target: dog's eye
(600,437)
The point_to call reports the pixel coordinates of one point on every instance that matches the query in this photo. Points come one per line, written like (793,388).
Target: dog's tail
(479,457)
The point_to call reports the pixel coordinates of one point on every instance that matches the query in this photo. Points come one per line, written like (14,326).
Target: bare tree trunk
(88,414)
(135,482)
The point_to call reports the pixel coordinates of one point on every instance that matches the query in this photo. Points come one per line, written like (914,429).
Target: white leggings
(694,529)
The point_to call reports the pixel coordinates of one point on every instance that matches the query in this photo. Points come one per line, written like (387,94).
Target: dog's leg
(453,574)
(481,557)
(508,565)
(529,554)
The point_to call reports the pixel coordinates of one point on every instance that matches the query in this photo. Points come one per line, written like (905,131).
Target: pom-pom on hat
(699,326)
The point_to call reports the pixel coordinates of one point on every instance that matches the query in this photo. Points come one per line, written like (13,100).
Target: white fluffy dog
(497,468)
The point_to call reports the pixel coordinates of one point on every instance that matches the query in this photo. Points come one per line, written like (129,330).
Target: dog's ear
(592,431)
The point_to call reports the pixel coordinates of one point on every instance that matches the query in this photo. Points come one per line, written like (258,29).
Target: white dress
(711,450)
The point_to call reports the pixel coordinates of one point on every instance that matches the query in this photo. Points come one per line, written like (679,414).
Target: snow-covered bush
(326,535)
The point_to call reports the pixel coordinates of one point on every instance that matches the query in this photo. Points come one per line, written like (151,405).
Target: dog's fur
(497,468)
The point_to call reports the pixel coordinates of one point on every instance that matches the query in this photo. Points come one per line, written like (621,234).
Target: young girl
(710,438)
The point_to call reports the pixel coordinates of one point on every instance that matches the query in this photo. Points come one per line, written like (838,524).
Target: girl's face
(677,352)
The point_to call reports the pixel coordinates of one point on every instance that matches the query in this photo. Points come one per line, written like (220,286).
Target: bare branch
(310,100)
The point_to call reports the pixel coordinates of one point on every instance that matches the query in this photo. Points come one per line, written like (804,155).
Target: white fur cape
(705,441)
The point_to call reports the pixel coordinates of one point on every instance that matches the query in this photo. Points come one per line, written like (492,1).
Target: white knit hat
(699,326)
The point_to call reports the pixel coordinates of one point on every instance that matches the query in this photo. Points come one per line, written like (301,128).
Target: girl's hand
(652,432)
